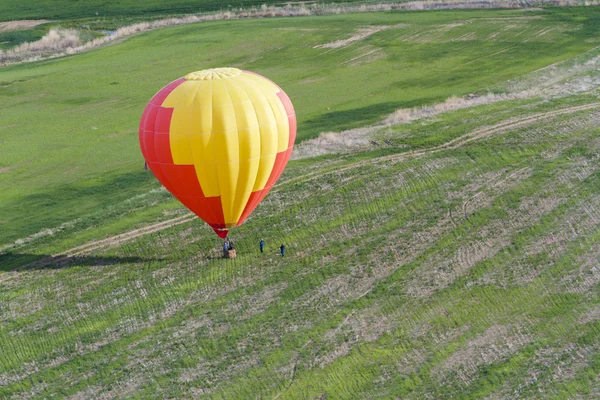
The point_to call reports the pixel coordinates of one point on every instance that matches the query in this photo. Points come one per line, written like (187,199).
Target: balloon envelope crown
(213,73)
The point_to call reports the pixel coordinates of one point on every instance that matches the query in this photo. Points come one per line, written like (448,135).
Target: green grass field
(70,126)
(65,9)
(453,256)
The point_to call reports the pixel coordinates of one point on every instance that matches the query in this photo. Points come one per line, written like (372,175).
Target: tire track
(108,242)
(455,143)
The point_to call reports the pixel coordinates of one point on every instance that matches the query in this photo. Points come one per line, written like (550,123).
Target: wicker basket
(229,253)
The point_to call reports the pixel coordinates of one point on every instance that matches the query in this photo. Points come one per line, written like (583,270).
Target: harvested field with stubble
(446,248)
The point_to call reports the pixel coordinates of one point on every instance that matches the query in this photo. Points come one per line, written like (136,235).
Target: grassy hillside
(454,256)
(65,9)
(70,152)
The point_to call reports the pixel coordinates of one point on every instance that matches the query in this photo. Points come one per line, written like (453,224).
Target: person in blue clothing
(262,246)
(282,248)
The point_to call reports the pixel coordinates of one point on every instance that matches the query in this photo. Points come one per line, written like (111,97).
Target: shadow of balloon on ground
(24,261)
(347,119)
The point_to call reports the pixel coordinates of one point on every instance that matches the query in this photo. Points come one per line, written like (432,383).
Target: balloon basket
(229,254)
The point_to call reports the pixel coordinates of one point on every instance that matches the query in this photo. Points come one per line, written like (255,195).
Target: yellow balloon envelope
(218,139)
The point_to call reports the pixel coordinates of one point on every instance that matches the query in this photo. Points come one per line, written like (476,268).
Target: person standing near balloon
(225,247)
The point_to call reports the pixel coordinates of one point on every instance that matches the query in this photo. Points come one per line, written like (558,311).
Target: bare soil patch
(590,316)
(293,28)
(494,344)
(368,56)
(587,276)
(361,33)
(21,25)
(310,80)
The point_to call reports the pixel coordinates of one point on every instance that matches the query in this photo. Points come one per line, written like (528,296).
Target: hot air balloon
(218,139)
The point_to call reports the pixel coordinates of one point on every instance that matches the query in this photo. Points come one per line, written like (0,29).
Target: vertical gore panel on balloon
(149,142)
(265,79)
(204,211)
(201,119)
(292,123)
(208,176)
(223,117)
(265,168)
(190,202)
(162,123)
(245,184)
(181,148)
(280,163)
(171,175)
(228,174)
(268,138)
(182,96)
(201,207)
(213,209)
(214,204)
(160,175)
(187,175)
(147,126)
(289,109)
(287,103)
(144,116)
(142,134)
(162,142)
(162,147)
(148,122)
(203,95)
(164,92)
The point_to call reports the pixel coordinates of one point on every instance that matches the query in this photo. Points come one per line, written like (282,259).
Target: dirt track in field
(452,144)
(108,242)
(459,141)
(21,25)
